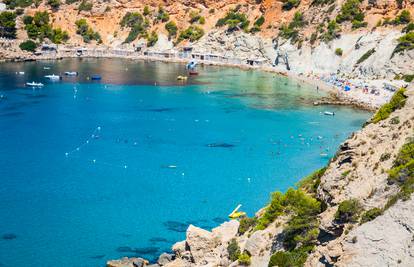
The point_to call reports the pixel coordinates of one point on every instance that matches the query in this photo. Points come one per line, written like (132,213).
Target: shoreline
(336,94)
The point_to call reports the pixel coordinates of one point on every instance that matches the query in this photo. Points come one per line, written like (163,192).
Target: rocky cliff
(364,210)
(353,37)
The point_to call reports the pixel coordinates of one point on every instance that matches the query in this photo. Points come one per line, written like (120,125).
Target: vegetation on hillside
(396,102)
(234,20)
(171,28)
(192,33)
(87,33)
(8,24)
(291,31)
(39,28)
(365,56)
(136,23)
(350,11)
(405,42)
(28,45)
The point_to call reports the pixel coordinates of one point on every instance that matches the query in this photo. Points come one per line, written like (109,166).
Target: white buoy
(94,161)
(125,166)
(99,128)
(66,154)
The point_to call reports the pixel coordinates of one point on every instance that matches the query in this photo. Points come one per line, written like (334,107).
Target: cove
(97,170)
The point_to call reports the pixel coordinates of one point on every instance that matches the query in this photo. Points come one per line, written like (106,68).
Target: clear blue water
(234,137)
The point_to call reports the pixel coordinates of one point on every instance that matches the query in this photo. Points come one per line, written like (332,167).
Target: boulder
(179,248)
(127,262)
(201,242)
(226,231)
(165,258)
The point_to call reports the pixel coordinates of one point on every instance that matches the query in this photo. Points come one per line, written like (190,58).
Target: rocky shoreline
(359,173)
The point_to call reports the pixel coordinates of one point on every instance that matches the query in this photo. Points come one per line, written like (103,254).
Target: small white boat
(71,73)
(35,84)
(46,68)
(20,72)
(53,77)
(329,113)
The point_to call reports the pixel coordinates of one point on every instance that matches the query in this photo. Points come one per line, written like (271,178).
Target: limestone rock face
(201,242)
(226,230)
(165,258)
(385,241)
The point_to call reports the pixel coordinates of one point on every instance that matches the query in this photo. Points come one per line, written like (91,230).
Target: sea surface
(97,170)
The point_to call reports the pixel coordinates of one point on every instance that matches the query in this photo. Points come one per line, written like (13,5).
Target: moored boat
(53,77)
(71,73)
(35,84)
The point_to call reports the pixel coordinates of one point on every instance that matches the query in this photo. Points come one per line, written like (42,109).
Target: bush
(8,24)
(55,4)
(289,4)
(408,77)
(403,18)
(348,211)
(350,11)
(192,33)
(311,183)
(58,36)
(234,20)
(12,4)
(259,22)
(146,10)
(338,52)
(87,32)
(135,21)
(332,32)
(152,39)
(69,2)
(27,20)
(245,224)
(171,28)
(408,28)
(233,250)
(244,259)
(195,16)
(85,6)
(162,15)
(405,42)
(365,56)
(290,31)
(41,18)
(396,102)
(293,258)
(28,45)
(385,156)
(371,214)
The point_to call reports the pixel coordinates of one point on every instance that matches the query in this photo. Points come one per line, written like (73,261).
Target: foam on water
(92,171)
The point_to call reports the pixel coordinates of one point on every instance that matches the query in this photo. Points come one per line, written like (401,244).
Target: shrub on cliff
(338,51)
(293,258)
(365,56)
(408,28)
(397,101)
(244,259)
(371,214)
(289,4)
(135,21)
(152,39)
(311,183)
(403,18)
(348,211)
(246,223)
(87,33)
(405,42)
(171,28)
(55,4)
(146,10)
(195,17)
(12,4)
(234,20)
(402,173)
(28,45)
(350,11)
(233,249)
(85,6)
(38,27)
(8,24)
(291,31)
(332,32)
(162,15)
(192,33)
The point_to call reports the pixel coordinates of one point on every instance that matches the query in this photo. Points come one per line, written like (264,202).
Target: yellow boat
(235,214)
(182,78)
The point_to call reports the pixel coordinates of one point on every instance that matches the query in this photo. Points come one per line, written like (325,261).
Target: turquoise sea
(97,170)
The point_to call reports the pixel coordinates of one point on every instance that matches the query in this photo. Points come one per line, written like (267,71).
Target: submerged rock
(9,236)
(127,262)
